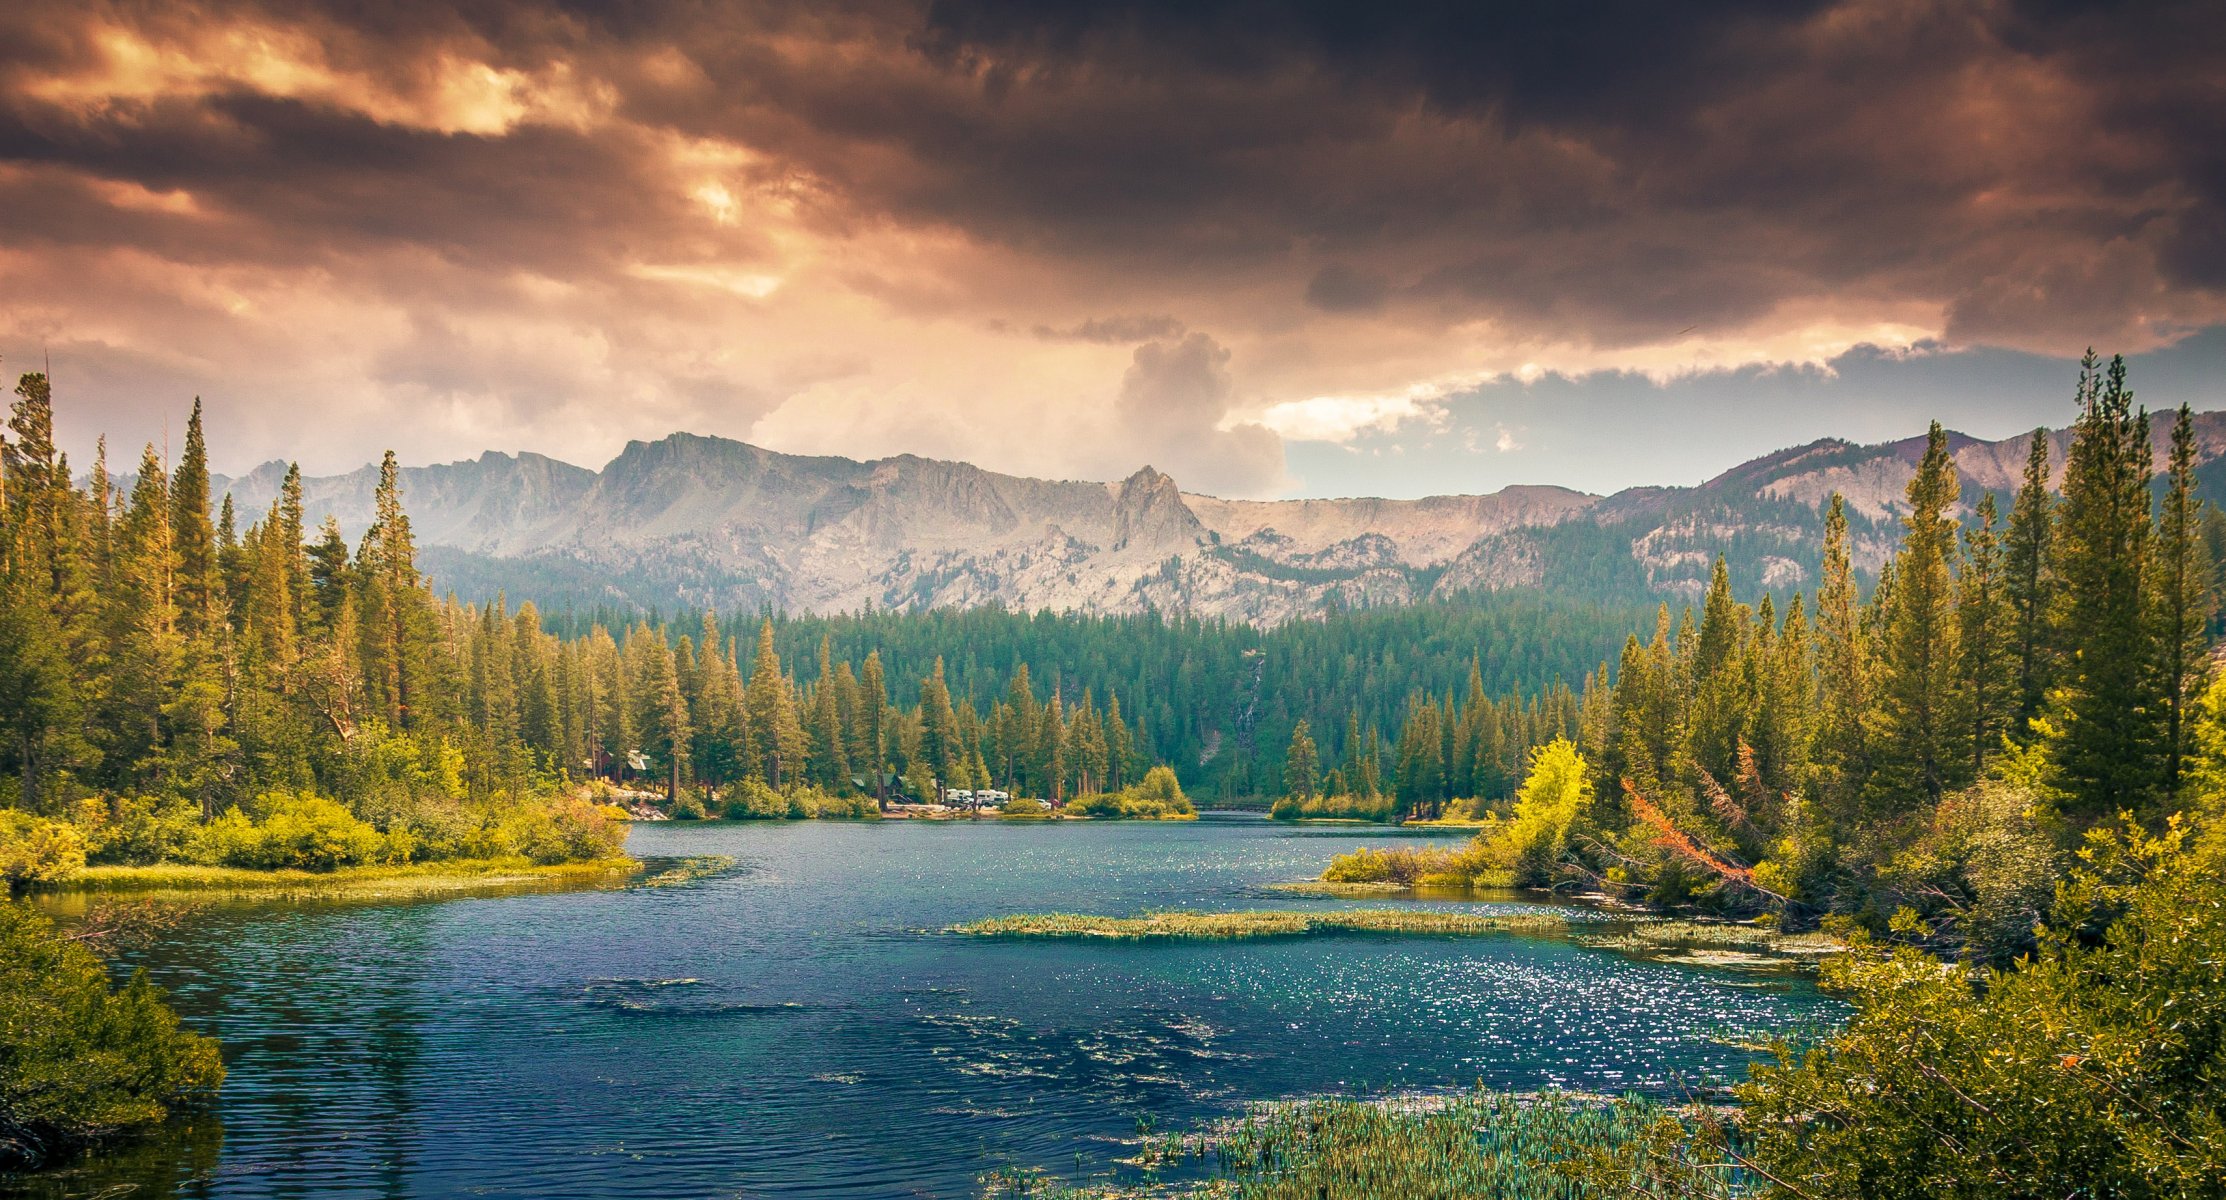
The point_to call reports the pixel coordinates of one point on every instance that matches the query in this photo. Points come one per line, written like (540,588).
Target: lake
(797,1026)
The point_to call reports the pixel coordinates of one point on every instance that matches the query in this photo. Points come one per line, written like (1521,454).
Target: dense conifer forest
(162,649)
(1929,754)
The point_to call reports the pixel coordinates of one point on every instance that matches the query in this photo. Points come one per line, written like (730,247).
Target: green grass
(1356,891)
(396,880)
(1708,937)
(1204,926)
(1508,1147)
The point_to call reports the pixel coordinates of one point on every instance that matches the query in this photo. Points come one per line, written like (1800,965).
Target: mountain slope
(708,521)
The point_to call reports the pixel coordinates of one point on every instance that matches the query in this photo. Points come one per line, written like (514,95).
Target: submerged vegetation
(1545,1147)
(689,870)
(1212,926)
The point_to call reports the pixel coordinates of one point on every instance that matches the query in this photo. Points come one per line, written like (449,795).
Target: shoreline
(185,881)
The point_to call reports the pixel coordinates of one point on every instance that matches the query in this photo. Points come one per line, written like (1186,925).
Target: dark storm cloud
(1624,164)
(1335,196)
(1340,288)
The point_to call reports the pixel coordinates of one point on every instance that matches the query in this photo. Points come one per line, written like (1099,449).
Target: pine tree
(1722,698)
(830,760)
(2180,599)
(2026,582)
(781,746)
(150,650)
(665,726)
(873,707)
(2109,704)
(1985,628)
(1122,768)
(940,744)
(198,585)
(1919,752)
(1843,668)
(1300,763)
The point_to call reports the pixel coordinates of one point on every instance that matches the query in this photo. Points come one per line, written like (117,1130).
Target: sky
(1274,249)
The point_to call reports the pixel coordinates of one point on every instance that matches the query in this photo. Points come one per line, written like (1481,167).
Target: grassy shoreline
(401,879)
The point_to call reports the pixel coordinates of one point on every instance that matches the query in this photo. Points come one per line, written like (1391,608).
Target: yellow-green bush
(1524,849)
(749,799)
(36,850)
(136,830)
(1345,807)
(566,829)
(1404,865)
(1156,797)
(829,807)
(752,800)
(304,832)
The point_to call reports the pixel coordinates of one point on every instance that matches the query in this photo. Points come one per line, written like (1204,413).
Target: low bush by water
(79,1060)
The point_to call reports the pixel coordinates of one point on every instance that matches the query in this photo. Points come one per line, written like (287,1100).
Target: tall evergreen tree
(1843,668)
(781,746)
(2110,709)
(2180,601)
(198,586)
(873,707)
(1985,646)
(1300,763)
(1918,740)
(2026,583)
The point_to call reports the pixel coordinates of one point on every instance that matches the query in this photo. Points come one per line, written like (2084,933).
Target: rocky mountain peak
(697,520)
(1149,513)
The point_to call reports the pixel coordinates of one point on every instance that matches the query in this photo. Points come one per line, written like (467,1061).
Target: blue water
(798,1026)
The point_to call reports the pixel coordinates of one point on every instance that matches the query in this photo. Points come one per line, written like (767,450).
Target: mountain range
(703,521)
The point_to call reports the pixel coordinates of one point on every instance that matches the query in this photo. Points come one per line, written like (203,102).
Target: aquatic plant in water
(1257,923)
(1550,1146)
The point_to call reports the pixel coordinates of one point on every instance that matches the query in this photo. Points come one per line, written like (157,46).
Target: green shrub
(566,829)
(1095,804)
(1404,865)
(688,806)
(749,799)
(137,830)
(1156,797)
(312,833)
(2092,1068)
(300,832)
(845,808)
(1987,864)
(1344,807)
(80,1061)
(35,850)
(1022,806)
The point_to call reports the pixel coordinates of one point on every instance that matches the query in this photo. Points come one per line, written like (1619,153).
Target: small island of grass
(1205,926)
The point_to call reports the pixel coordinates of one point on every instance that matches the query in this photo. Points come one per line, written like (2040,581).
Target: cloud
(1341,288)
(1174,405)
(991,231)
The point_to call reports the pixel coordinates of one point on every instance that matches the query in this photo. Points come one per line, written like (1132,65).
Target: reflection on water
(795,1025)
